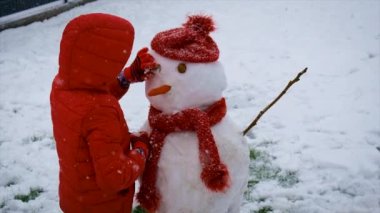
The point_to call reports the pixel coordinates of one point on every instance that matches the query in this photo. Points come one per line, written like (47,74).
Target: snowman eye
(181,68)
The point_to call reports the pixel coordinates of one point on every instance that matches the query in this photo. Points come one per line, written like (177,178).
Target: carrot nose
(159,90)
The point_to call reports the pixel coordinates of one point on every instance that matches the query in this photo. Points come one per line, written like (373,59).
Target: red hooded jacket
(97,170)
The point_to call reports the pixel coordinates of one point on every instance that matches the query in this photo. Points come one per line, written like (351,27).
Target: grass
(264,209)
(42,138)
(262,169)
(139,209)
(253,154)
(33,194)
(36,138)
(10,183)
(288,178)
(39,136)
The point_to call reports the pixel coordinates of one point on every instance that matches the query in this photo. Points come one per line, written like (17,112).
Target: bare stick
(254,122)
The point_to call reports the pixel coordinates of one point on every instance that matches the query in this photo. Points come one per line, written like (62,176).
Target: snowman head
(180,85)
(190,76)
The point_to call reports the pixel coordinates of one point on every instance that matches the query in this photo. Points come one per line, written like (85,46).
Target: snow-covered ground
(316,150)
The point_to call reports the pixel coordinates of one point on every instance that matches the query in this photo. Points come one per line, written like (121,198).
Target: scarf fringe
(216,177)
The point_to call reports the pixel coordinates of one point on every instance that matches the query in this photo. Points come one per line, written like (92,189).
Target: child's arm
(141,68)
(114,169)
(117,89)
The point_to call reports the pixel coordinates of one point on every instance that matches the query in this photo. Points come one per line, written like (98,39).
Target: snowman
(199,159)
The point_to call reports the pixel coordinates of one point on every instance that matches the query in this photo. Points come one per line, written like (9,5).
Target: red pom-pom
(200,23)
(216,177)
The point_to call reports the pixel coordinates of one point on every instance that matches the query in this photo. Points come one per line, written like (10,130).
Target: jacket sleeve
(115,170)
(117,90)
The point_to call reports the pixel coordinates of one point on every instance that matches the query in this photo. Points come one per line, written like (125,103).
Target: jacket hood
(94,49)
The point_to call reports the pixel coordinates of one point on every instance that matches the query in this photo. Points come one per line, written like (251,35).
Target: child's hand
(140,143)
(142,68)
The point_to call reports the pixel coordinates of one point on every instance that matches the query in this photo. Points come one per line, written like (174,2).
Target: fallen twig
(254,122)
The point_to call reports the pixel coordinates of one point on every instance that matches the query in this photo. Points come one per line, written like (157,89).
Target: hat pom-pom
(200,23)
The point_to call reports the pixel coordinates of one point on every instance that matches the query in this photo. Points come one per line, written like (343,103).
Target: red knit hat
(190,43)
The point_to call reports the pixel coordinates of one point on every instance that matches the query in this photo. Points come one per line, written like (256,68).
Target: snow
(325,131)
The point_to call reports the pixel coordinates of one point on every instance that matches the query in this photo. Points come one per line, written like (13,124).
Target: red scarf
(214,173)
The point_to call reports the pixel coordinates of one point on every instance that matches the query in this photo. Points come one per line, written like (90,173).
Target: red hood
(94,49)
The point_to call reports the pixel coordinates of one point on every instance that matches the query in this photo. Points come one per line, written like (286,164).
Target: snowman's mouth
(159,90)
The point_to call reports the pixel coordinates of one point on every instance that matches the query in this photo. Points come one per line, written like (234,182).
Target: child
(97,167)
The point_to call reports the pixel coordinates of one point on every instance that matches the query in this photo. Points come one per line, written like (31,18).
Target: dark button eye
(181,68)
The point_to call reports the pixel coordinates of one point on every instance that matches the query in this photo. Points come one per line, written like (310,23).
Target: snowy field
(317,150)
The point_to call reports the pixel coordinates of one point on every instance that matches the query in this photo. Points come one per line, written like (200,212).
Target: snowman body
(179,166)
(179,181)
